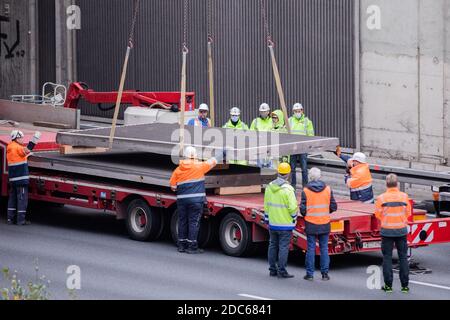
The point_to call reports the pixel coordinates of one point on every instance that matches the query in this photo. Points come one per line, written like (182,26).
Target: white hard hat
(360,157)
(264,107)
(190,152)
(15,134)
(235,111)
(297,106)
(203,107)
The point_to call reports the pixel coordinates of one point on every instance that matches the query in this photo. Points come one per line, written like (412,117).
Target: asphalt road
(115,267)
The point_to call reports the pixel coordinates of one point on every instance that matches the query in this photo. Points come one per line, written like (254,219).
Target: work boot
(309,278)
(285,275)
(181,249)
(194,251)
(25,223)
(325,277)
(405,289)
(273,273)
(387,289)
(9,222)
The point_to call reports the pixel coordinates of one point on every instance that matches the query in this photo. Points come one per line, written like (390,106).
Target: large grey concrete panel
(30,113)
(164,139)
(143,168)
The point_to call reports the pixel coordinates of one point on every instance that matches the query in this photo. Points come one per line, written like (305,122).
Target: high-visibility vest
(198,123)
(302,126)
(17,164)
(260,124)
(189,179)
(393,209)
(318,206)
(240,125)
(280,207)
(360,178)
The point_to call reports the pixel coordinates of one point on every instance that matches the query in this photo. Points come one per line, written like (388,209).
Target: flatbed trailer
(236,220)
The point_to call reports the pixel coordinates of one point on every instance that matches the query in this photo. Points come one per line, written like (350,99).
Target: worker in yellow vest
(301,125)
(317,204)
(281,210)
(279,126)
(236,123)
(263,123)
(393,209)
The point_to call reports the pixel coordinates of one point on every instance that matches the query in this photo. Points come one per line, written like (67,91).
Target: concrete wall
(17,54)
(405,79)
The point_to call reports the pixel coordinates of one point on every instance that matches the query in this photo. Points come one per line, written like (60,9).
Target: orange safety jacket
(393,209)
(360,183)
(198,123)
(17,164)
(318,206)
(189,180)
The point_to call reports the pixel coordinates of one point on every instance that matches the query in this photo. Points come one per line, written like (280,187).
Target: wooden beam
(65,149)
(238,190)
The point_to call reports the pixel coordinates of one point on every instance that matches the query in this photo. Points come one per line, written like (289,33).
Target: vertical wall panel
(314,48)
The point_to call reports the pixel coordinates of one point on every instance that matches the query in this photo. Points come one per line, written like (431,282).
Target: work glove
(34,140)
(36,137)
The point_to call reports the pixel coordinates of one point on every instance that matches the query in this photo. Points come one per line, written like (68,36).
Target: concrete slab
(164,139)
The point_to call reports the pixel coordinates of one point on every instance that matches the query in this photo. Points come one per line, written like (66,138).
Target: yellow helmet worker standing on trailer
(280,212)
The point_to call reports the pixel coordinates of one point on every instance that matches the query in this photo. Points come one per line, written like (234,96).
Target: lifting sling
(276,72)
(124,73)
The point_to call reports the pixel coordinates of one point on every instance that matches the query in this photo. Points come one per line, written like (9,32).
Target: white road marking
(430,285)
(253,297)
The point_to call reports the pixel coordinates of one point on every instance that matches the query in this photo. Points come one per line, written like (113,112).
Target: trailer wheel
(143,223)
(205,234)
(235,236)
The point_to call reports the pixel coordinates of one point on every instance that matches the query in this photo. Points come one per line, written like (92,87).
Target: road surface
(115,267)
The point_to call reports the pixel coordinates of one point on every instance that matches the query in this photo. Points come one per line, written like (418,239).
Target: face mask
(298,115)
(234,118)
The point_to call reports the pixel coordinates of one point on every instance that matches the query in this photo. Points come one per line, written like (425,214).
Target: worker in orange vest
(393,210)
(358,178)
(316,206)
(17,154)
(188,181)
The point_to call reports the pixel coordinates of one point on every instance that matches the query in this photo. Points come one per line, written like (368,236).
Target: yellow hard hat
(284,168)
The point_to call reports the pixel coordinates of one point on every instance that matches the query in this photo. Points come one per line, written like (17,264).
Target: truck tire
(235,236)
(205,234)
(143,223)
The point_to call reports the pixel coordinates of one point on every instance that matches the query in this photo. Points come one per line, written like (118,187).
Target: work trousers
(279,250)
(303,159)
(18,203)
(387,247)
(311,253)
(189,215)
